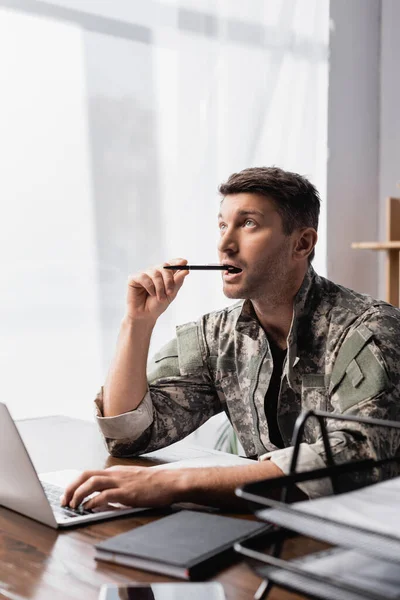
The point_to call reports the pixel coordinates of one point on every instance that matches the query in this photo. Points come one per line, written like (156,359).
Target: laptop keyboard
(53,494)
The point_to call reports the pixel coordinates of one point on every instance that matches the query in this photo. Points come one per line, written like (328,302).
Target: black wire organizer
(272,565)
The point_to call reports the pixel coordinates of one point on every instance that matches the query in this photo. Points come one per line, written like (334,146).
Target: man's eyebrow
(245,213)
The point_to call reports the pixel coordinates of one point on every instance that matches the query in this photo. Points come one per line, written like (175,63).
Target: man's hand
(159,486)
(133,486)
(150,292)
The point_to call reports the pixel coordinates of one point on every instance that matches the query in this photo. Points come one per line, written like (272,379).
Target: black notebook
(187,544)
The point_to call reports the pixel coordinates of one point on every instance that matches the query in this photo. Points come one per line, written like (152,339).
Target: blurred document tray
(366,519)
(334,574)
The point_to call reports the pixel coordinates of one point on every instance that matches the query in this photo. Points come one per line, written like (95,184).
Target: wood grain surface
(40,563)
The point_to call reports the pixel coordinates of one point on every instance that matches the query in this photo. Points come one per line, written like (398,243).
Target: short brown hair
(296,199)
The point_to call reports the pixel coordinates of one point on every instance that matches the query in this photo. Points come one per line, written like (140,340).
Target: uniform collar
(247,322)
(299,309)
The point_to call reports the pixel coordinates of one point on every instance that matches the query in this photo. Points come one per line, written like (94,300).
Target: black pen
(228,268)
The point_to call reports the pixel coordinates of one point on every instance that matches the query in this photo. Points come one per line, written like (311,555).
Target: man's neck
(276,322)
(276,314)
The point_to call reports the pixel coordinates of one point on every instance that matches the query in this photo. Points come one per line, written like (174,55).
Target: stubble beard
(267,281)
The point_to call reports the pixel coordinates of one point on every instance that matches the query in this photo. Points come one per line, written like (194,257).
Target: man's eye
(249,222)
(222,226)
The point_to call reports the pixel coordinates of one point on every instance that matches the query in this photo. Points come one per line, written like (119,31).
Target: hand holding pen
(150,292)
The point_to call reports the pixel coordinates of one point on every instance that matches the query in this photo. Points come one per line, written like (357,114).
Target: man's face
(252,238)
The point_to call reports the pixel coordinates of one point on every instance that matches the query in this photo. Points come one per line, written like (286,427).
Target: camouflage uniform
(343,356)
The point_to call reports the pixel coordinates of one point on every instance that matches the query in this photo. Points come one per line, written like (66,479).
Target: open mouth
(233,269)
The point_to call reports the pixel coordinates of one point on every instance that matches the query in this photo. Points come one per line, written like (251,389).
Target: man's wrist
(182,484)
(135,324)
(215,486)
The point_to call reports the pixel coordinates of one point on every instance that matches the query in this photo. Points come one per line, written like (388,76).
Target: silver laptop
(38,496)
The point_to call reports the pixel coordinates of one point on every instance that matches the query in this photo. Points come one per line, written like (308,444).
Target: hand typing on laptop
(160,486)
(131,486)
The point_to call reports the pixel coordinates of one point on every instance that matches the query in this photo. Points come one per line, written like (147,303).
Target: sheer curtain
(118,121)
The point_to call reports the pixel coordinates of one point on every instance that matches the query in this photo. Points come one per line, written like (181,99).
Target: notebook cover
(186,540)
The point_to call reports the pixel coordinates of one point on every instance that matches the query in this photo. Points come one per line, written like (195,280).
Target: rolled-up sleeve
(307,460)
(180,398)
(128,425)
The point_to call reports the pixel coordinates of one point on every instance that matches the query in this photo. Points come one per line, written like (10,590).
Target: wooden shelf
(392,248)
(376,245)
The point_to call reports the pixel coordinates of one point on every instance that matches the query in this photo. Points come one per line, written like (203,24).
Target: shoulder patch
(358,373)
(349,350)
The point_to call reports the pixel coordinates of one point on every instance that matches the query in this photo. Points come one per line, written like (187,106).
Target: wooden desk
(40,563)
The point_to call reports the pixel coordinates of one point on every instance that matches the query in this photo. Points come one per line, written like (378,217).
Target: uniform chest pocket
(314,392)
(222,368)
(231,395)
(225,377)
(314,396)
(228,387)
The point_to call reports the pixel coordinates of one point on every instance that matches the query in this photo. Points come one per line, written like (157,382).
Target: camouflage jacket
(343,356)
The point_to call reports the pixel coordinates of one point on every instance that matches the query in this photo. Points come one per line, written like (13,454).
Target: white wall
(363,137)
(353,142)
(389,172)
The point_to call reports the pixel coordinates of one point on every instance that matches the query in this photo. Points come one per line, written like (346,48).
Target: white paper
(367,574)
(375,508)
(180,451)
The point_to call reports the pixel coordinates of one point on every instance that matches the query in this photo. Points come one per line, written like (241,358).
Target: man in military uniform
(294,341)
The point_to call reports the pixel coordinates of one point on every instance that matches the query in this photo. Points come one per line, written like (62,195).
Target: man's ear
(304,243)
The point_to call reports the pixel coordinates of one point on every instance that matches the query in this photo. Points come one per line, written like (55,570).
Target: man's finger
(168,278)
(97,483)
(177,261)
(71,487)
(104,498)
(144,281)
(179,276)
(158,281)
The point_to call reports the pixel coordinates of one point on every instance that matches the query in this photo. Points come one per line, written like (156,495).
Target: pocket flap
(222,363)
(355,373)
(189,351)
(315,380)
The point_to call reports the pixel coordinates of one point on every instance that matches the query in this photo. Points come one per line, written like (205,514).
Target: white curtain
(117,123)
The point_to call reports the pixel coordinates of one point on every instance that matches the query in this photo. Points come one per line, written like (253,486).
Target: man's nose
(228,242)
